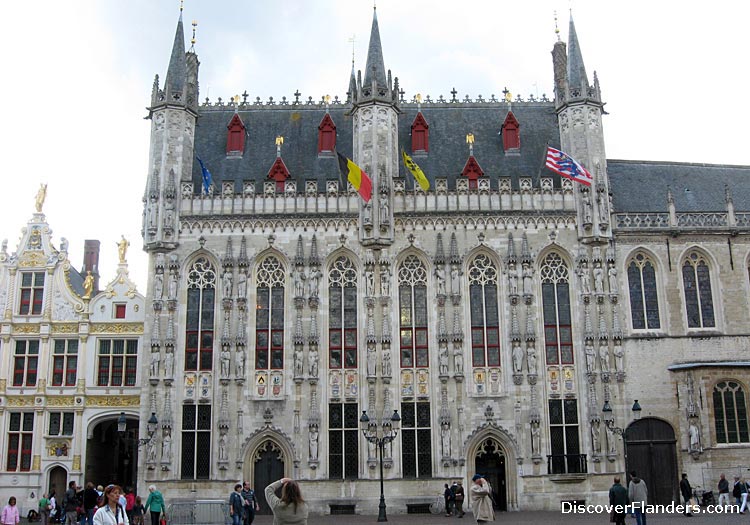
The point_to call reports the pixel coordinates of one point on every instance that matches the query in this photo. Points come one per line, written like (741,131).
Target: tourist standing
(290,508)
(138,511)
(739,491)
(236,505)
(90,502)
(638,497)
(250,503)
(448,496)
(460,498)
(723,491)
(618,496)
(10,513)
(480,499)
(44,508)
(70,504)
(687,494)
(155,503)
(111,512)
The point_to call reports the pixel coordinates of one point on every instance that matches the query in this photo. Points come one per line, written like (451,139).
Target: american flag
(566,166)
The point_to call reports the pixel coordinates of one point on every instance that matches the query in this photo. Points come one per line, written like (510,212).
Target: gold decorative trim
(65,328)
(20,401)
(61,401)
(113,401)
(25,329)
(36,462)
(31,259)
(77,462)
(117,328)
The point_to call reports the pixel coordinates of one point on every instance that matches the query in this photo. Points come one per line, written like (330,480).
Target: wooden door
(269,467)
(490,462)
(651,451)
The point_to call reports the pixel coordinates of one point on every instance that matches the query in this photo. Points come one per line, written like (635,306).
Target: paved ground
(522,518)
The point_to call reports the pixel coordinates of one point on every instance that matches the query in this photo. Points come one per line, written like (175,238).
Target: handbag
(163,519)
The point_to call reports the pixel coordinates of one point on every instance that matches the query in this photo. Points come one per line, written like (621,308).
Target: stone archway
(493,449)
(651,450)
(268,456)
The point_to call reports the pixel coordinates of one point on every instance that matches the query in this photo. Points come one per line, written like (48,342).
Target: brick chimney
(91,261)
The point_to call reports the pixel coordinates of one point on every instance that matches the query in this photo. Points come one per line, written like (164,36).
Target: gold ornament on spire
(508,96)
(41,194)
(279,140)
(470,138)
(327,100)
(195,24)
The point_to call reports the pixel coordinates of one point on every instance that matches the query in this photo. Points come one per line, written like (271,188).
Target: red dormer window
(472,171)
(279,174)
(420,134)
(326,135)
(511,133)
(235,136)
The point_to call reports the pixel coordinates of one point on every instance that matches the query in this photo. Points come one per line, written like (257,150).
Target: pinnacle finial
(182,5)
(352,40)
(557,29)
(279,142)
(192,39)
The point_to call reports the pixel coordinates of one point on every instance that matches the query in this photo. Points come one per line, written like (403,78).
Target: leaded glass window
(32,293)
(61,423)
(26,363)
(565,448)
(343,441)
(485,324)
(416,440)
(199,333)
(412,293)
(342,314)
(696,278)
(118,362)
(196,442)
(64,362)
(644,302)
(730,413)
(558,336)
(20,439)
(269,315)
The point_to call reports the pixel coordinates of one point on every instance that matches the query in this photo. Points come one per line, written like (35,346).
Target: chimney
(91,260)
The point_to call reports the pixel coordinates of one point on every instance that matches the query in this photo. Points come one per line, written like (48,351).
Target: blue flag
(206,176)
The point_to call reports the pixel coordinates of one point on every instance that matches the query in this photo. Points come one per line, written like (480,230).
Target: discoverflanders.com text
(569,507)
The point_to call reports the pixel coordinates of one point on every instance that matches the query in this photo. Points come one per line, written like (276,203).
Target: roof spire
(557,29)
(576,70)
(177,70)
(375,68)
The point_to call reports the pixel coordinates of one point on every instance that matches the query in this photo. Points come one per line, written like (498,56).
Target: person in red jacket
(129,503)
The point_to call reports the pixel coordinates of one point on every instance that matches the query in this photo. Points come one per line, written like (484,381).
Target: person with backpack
(111,513)
(236,505)
(70,504)
(90,503)
(250,503)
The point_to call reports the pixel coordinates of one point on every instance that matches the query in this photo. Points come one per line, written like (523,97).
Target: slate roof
(448,125)
(642,186)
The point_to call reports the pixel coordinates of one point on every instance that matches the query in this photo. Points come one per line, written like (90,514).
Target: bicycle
(438,507)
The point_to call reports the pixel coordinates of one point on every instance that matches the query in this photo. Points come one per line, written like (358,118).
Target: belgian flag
(356,176)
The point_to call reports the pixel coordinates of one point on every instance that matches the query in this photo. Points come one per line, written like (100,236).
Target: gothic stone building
(68,368)
(512,318)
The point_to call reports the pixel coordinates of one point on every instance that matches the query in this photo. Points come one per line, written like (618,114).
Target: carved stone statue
(601,203)
(527,276)
(611,443)
(242,285)
(385,281)
(513,279)
(172,286)
(695,436)
(370,283)
(367,213)
(224,359)
(443,360)
(455,284)
(598,278)
(226,283)
(604,356)
(440,279)
(445,439)
(299,278)
(223,447)
(536,437)
(596,438)
(122,248)
(63,244)
(458,360)
(612,276)
(585,273)
(155,359)
(158,285)
(166,447)
(88,285)
(385,215)
(590,356)
(386,364)
(517,357)
(531,357)
(41,194)
(586,206)
(371,361)
(312,359)
(151,451)
(313,443)
(314,282)
(298,356)
(239,362)
(619,353)
(169,364)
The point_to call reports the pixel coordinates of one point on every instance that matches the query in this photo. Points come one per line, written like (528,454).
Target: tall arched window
(730,413)
(199,333)
(269,312)
(412,295)
(342,314)
(558,339)
(696,278)
(644,302)
(485,325)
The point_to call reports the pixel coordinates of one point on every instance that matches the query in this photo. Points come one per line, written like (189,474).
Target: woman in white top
(111,513)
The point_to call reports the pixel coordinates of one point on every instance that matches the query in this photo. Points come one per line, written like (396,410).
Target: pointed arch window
(342,314)
(485,324)
(326,135)
(730,413)
(511,133)
(420,135)
(412,295)
(558,338)
(199,333)
(269,311)
(644,301)
(696,278)
(235,136)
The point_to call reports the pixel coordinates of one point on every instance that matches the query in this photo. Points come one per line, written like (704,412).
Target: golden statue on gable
(41,194)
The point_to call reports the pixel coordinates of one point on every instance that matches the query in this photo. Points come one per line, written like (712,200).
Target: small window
(26,363)
(120,311)
(61,423)
(64,362)
(235,136)
(511,133)
(420,135)
(32,293)
(326,135)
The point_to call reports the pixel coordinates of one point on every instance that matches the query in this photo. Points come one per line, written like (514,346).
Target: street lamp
(609,418)
(151,425)
(380,435)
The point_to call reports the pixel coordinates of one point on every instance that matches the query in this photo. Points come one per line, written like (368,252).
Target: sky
(78,76)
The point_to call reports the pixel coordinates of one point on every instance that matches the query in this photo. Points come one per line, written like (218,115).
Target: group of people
(289,508)
(454,499)
(635,495)
(480,498)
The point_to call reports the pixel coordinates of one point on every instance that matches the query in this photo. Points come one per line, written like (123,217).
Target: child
(10,513)
(138,511)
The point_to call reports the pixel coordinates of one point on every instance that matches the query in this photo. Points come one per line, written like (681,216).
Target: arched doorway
(268,466)
(112,457)
(491,463)
(58,482)
(650,448)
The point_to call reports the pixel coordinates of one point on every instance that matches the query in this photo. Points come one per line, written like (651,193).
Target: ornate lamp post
(380,435)
(151,426)
(609,418)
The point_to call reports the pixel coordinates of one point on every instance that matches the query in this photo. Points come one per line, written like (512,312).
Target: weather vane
(557,29)
(418,97)
(352,40)
(192,40)
(470,142)
(279,142)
